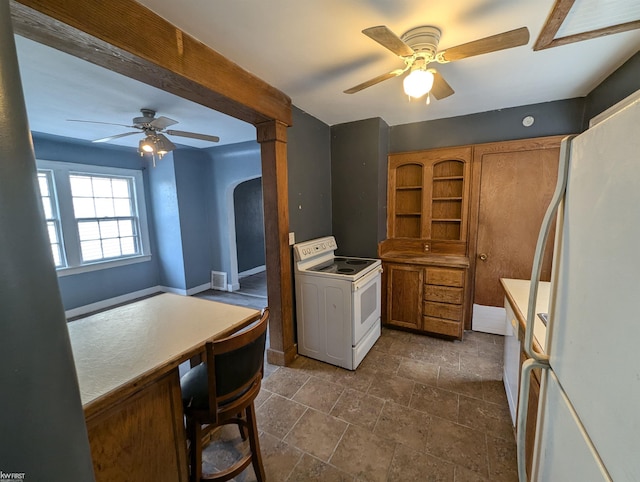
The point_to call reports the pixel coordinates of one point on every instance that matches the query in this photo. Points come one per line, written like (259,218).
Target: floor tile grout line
(306,408)
(347,425)
(379,415)
(293,469)
(300,388)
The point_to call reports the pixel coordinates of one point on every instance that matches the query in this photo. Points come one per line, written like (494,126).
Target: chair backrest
(235,363)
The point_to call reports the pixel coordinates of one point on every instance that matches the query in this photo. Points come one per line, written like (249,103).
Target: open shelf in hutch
(446,200)
(408,201)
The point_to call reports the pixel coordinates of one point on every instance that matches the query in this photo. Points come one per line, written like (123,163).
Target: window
(50,205)
(98,217)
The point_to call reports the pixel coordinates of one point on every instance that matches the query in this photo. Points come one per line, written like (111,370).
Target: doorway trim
(127,38)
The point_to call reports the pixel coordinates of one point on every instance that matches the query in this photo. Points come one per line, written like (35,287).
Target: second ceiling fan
(418,47)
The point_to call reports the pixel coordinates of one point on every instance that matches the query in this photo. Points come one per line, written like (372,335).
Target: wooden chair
(221,391)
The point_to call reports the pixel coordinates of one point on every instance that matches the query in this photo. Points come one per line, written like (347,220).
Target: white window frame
(69,225)
(55,218)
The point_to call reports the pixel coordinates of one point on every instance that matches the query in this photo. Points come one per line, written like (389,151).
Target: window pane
(50,208)
(111,248)
(83,207)
(109,229)
(102,187)
(126,227)
(55,250)
(120,188)
(122,207)
(53,234)
(46,204)
(81,186)
(88,230)
(44,185)
(128,246)
(104,208)
(91,250)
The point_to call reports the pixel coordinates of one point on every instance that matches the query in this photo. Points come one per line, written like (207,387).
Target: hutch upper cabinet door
(428,194)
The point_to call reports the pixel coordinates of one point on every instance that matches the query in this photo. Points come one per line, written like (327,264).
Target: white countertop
(113,348)
(518,292)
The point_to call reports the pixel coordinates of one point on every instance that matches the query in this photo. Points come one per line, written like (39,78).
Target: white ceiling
(312,51)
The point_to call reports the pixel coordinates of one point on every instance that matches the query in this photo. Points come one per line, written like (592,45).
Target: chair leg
(242,427)
(194,433)
(254,443)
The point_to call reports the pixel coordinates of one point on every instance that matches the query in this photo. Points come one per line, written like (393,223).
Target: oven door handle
(367,279)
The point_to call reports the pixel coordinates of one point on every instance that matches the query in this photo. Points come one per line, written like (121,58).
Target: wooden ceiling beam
(126,37)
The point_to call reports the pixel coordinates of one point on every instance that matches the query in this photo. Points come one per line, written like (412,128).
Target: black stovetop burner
(341,265)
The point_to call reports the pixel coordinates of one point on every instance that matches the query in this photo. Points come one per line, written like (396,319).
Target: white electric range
(337,303)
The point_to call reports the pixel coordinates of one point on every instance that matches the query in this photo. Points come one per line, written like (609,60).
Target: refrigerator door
(565,451)
(594,324)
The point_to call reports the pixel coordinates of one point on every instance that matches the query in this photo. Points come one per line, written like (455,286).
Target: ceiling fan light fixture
(418,83)
(163,145)
(146,146)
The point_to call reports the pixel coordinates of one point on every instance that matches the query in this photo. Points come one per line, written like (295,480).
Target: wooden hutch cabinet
(425,256)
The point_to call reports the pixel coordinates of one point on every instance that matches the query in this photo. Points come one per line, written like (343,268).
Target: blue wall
(230,165)
(166,216)
(85,288)
(194,187)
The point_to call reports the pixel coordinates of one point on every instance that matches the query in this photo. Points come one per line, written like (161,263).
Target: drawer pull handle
(483,257)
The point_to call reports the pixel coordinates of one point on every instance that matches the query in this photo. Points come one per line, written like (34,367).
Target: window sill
(85,268)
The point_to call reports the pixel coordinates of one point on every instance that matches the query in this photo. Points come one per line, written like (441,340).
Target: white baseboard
(101,305)
(233,286)
(488,319)
(198,289)
(252,271)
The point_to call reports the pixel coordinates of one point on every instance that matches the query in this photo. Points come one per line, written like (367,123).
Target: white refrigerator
(588,425)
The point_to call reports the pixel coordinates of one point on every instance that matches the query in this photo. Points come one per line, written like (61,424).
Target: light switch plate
(292,239)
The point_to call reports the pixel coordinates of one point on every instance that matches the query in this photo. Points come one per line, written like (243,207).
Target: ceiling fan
(418,47)
(154,129)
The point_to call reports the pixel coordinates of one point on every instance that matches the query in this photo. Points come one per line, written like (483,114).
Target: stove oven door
(366,304)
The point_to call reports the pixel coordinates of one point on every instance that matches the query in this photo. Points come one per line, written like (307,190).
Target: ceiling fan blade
(441,88)
(193,135)
(501,41)
(117,136)
(162,122)
(385,37)
(374,81)
(97,122)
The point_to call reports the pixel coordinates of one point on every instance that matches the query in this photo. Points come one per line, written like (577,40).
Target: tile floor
(416,409)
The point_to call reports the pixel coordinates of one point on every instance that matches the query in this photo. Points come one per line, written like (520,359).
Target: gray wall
(42,423)
(551,118)
(358,176)
(622,83)
(309,165)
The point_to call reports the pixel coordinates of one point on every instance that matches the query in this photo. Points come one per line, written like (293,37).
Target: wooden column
(272,136)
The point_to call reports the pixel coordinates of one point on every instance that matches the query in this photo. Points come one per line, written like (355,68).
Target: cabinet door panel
(404,295)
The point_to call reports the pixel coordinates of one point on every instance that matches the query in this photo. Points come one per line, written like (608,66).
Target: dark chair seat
(221,391)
